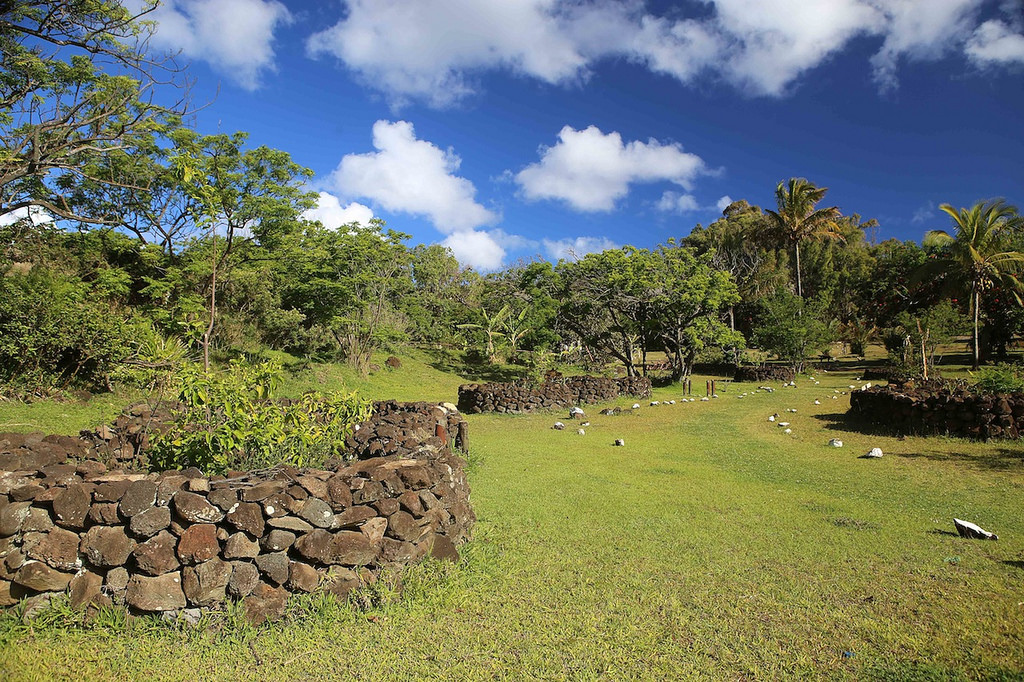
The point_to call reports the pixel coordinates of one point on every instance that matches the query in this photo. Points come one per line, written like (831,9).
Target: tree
(444,295)
(77,104)
(625,301)
(690,300)
(797,220)
(250,197)
(792,328)
(732,239)
(977,257)
(607,302)
(349,282)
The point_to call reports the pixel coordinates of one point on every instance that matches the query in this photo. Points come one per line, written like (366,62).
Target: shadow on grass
(479,372)
(1014,564)
(844,421)
(939,531)
(994,456)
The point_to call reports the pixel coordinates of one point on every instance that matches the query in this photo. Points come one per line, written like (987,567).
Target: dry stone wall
(173,540)
(934,408)
(765,373)
(523,396)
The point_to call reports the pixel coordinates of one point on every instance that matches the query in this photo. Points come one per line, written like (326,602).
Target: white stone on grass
(873,453)
(771,418)
(636,406)
(788,431)
(705,399)
(558,426)
(817,402)
(836,443)
(581,432)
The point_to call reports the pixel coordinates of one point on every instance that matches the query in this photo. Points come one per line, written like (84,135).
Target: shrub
(1000,378)
(229,420)
(54,331)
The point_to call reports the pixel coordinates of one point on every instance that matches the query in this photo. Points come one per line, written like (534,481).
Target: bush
(792,328)
(56,332)
(229,420)
(1000,378)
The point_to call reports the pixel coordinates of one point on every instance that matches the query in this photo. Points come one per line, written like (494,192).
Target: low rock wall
(525,397)
(934,409)
(766,373)
(890,374)
(175,540)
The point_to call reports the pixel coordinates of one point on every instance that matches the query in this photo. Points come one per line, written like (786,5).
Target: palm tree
(977,257)
(797,220)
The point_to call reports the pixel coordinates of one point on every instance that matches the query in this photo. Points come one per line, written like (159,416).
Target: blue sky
(509,129)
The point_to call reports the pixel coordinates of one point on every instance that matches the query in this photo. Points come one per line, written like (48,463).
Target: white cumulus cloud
(674,202)
(477,249)
(333,215)
(37,215)
(234,36)
(426,48)
(432,50)
(723,203)
(994,42)
(574,249)
(919,30)
(408,175)
(591,170)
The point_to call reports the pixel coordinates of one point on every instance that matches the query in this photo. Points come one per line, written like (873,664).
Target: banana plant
(491,328)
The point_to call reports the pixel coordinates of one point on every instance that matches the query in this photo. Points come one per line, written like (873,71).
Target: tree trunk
(799,284)
(213,307)
(977,346)
(924,357)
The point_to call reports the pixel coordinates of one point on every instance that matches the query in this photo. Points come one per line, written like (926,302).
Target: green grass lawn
(711,546)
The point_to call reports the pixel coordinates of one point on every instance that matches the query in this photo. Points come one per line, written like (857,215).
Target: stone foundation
(560,392)
(935,408)
(165,541)
(764,373)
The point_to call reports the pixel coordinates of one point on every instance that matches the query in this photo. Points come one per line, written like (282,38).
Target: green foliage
(978,258)
(627,302)
(55,332)
(1001,378)
(792,328)
(349,282)
(798,220)
(923,331)
(230,420)
(76,106)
